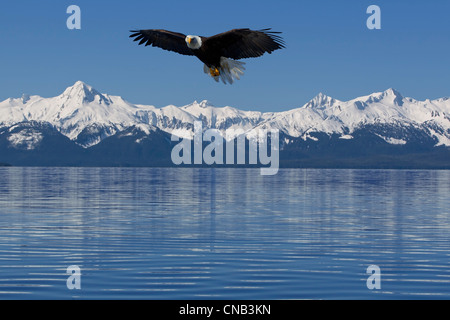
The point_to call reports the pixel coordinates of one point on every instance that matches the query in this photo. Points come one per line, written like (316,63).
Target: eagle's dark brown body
(207,55)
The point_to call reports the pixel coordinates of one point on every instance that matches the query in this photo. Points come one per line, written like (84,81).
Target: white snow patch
(28,139)
(443,140)
(391,140)
(307,136)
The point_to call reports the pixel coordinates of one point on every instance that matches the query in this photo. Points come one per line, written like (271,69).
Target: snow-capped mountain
(85,117)
(327,115)
(79,111)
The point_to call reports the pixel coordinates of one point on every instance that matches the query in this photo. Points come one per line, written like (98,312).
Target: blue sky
(329,50)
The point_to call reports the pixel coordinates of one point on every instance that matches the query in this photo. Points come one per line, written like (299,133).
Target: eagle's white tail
(229,71)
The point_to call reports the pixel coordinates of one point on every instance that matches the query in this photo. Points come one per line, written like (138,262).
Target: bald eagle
(218,53)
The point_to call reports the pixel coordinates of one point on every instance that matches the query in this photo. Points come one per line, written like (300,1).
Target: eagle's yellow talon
(214,72)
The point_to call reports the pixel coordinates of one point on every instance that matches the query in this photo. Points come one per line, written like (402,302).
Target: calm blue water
(144,233)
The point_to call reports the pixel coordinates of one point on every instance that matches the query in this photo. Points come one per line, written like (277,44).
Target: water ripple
(141,233)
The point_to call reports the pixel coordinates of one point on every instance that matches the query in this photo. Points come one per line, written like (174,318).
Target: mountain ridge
(81,106)
(86,118)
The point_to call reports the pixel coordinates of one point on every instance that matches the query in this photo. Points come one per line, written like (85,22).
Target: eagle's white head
(194,42)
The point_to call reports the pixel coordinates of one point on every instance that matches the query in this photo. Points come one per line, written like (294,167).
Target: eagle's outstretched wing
(167,40)
(245,43)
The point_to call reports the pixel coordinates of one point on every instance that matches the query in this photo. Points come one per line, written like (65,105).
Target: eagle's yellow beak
(189,40)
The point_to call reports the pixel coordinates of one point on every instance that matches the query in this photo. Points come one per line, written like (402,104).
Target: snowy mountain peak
(321,101)
(84,93)
(199,107)
(203,104)
(394,96)
(78,87)
(389,96)
(392,92)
